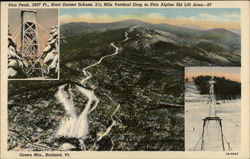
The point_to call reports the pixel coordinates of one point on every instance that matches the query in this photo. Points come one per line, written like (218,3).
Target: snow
(81,127)
(49,56)
(66,146)
(54,57)
(197,108)
(12,51)
(78,126)
(16,63)
(101,135)
(88,77)
(55,33)
(217,57)
(12,72)
(161,38)
(54,63)
(107,131)
(47,48)
(12,62)
(10,38)
(70,118)
(52,41)
(98,62)
(132,28)
(11,101)
(126,36)
(73,125)
(50,53)
(50,38)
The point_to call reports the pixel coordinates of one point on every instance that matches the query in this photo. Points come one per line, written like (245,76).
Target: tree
(50,55)
(16,66)
(224,89)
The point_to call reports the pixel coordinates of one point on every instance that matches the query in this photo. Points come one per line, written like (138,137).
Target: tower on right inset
(212,138)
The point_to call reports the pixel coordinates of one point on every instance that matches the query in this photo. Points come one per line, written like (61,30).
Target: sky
(201,17)
(232,73)
(45,17)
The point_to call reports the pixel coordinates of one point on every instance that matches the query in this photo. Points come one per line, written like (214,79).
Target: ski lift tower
(212,134)
(29,40)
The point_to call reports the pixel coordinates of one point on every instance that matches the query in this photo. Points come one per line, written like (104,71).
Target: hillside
(136,75)
(183,35)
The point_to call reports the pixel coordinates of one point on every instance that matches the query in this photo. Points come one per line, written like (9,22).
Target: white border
(244,153)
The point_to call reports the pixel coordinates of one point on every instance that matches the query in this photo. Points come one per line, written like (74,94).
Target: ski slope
(197,108)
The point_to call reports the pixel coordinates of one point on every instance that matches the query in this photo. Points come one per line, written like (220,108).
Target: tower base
(212,135)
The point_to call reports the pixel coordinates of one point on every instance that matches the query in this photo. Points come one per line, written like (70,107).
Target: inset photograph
(212,108)
(33,47)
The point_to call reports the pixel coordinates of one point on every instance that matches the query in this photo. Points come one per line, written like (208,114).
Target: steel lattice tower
(29,34)
(212,134)
(29,41)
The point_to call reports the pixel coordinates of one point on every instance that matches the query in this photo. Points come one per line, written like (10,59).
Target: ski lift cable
(39,37)
(17,30)
(43,28)
(197,144)
(229,147)
(16,39)
(32,68)
(40,40)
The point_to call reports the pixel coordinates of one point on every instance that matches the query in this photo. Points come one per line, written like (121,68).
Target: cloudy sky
(201,17)
(232,73)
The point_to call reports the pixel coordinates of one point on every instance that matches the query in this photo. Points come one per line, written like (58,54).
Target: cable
(42,28)
(197,144)
(17,31)
(229,147)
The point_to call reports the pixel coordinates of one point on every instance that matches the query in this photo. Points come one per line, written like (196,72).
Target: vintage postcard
(125,79)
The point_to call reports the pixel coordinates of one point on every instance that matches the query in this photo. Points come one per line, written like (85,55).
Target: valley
(136,78)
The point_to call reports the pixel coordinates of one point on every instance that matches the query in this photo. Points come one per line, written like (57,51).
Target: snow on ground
(197,108)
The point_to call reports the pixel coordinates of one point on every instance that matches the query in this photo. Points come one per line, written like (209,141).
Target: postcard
(125,79)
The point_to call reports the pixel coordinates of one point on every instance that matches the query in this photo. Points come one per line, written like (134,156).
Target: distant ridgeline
(224,89)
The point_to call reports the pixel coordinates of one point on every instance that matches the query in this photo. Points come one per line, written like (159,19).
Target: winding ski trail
(76,126)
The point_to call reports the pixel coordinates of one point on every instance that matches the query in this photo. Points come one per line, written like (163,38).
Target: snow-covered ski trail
(78,126)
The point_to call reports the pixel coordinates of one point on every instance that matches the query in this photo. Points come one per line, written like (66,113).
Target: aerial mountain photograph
(121,85)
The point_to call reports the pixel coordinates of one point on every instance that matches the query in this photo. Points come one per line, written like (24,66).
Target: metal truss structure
(29,42)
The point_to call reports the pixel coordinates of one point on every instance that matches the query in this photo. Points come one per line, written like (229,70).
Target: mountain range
(218,47)
(145,77)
